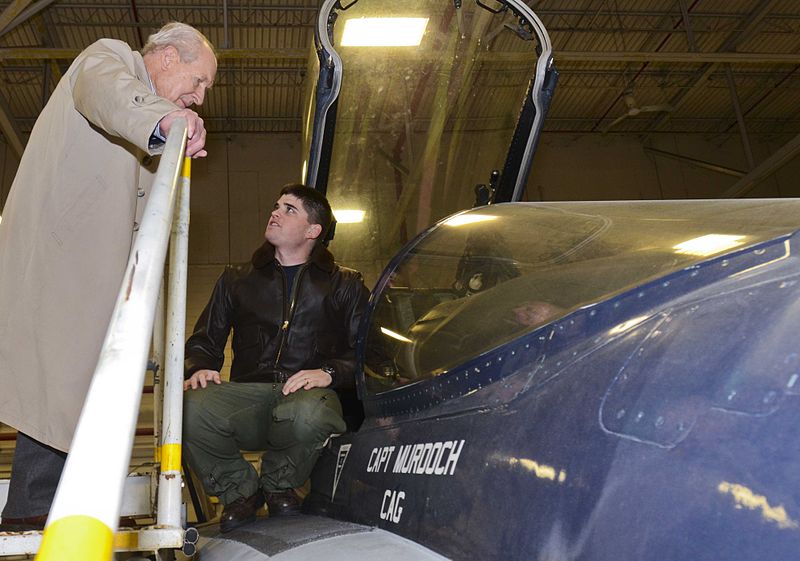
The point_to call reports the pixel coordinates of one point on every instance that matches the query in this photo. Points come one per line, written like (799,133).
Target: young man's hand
(201,378)
(307,379)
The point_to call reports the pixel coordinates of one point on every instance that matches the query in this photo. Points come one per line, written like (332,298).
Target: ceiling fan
(634,109)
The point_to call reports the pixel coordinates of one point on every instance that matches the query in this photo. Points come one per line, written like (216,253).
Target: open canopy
(417,102)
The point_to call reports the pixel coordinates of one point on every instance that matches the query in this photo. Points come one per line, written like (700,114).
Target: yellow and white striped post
(85,512)
(169,484)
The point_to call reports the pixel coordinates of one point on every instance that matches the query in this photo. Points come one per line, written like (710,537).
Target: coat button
(140,193)
(147,160)
(138,99)
(135,226)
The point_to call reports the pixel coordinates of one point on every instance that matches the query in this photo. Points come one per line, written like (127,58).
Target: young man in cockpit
(294,314)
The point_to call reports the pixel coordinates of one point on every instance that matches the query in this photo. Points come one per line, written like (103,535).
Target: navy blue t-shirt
(291,273)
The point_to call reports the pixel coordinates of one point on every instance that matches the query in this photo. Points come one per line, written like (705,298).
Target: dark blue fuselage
(661,424)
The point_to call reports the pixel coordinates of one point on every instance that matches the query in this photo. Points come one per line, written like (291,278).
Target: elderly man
(294,314)
(66,233)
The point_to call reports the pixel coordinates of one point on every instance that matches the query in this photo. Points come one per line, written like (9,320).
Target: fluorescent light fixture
(393,335)
(384,32)
(462,219)
(304,172)
(348,216)
(709,245)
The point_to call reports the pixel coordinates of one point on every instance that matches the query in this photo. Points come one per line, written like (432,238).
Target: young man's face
(288,224)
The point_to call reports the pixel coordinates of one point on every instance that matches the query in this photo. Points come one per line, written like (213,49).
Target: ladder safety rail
(85,512)
(157,365)
(169,484)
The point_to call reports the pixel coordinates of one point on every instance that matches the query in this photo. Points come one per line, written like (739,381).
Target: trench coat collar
(320,257)
(141,71)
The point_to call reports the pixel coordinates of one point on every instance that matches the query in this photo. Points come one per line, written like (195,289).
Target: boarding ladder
(84,518)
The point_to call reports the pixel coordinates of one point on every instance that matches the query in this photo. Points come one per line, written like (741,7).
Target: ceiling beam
(677,57)
(687,26)
(630,75)
(10,129)
(45,53)
(753,20)
(12,11)
(24,15)
(695,162)
(761,172)
(55,71)
(737,109)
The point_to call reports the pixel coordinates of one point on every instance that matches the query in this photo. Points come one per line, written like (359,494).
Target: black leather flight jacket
(274,336)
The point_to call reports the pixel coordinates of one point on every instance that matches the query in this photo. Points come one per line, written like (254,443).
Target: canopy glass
(487,276)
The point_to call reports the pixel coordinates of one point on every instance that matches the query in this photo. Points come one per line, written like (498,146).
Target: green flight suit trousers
(221,420)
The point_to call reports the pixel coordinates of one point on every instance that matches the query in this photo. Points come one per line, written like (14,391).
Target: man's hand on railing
(195,130)
(201,378)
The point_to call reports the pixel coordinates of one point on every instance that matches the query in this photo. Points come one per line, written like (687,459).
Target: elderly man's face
(185,83)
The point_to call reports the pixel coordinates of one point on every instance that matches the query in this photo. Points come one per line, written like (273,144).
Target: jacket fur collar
(320,257)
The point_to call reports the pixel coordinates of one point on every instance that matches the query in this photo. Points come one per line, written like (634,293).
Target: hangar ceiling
(702,66)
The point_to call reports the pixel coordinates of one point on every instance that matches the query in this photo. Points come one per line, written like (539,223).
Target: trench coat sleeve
(114,99)
(205,349)
(352,301)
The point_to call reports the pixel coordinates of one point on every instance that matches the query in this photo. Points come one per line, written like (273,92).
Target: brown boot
(283,503)
(240,512)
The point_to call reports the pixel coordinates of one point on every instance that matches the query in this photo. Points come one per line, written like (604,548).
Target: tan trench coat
(66,233)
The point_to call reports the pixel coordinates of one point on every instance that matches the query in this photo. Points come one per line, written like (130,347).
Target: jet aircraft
(555,381)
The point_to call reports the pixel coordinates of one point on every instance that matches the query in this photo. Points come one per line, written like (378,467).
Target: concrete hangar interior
(657,99)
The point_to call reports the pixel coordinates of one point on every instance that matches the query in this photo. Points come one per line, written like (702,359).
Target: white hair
(185,38)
